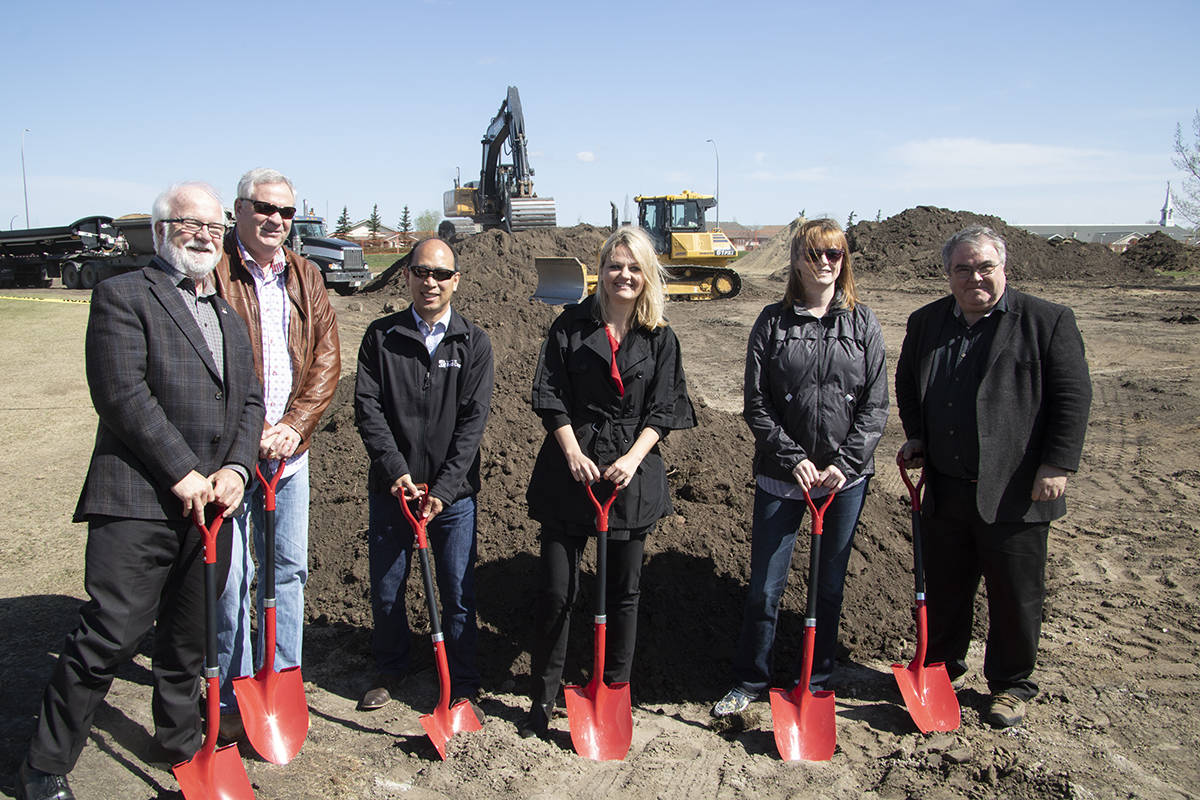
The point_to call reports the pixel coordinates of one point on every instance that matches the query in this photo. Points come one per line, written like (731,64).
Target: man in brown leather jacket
(293,332)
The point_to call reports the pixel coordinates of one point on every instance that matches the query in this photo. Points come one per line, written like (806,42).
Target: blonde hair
(648,310)
(819,234)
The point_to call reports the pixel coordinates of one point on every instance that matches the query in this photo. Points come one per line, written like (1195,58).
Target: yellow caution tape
(47,299)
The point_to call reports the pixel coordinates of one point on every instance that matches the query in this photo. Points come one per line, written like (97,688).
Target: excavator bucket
(561,280)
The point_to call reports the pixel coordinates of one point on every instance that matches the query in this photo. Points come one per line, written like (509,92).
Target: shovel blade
(601,726)
(928,696)
(274,712)
(214,775)
(445,722)
(804,723)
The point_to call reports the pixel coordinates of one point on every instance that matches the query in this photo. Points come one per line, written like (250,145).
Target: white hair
(166,201)
(261,175)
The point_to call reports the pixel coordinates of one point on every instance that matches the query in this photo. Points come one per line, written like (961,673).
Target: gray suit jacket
(164,409)
(1032,404)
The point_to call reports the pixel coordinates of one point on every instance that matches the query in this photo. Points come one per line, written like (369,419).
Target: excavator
(503,197)
(695,258)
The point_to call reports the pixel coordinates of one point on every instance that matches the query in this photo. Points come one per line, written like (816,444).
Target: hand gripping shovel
(600,716)
(274,711)
(445,721)
(213,772)
(927,691)
(804,722)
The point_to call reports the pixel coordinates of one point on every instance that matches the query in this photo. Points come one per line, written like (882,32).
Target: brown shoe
(1006,710)
(383,686)
(231,729)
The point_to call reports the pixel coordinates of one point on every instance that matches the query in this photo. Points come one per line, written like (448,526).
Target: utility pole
(24,183)
(717,155)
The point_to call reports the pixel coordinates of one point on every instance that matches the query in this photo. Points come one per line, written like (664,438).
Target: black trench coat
(573,386)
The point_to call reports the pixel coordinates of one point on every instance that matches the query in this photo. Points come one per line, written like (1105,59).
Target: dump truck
(503,197)
(695,257)
(341,262)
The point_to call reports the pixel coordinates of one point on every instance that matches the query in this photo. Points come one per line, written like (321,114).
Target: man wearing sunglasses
(294,338)
(421,401)
(993,391)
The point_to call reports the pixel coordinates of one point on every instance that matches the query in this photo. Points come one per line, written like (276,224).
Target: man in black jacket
(421,401)
(993,392)
(180,412)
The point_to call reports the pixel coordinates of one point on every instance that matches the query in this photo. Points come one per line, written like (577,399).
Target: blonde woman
(609,386)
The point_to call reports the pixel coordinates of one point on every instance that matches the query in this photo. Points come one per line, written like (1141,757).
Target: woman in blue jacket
(816,401)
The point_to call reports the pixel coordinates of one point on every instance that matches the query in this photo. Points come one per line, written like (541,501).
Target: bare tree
(1187,158)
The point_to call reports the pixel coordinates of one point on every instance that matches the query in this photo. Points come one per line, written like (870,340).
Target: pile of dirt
(772,256)
(697,561)
(1159,251)
(910,244)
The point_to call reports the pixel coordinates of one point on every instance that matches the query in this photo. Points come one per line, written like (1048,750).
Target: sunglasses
(267,209)
(833,254)
(439,274)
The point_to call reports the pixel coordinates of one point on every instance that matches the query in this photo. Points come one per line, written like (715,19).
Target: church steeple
(1168,210)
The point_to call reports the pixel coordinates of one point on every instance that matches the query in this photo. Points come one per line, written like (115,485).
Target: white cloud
(948,162)
(586,156)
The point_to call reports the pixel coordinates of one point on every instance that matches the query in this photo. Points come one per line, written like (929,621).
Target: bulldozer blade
(560,280)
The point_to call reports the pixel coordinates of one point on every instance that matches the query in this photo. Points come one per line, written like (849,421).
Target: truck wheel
(70,275)
(89,276)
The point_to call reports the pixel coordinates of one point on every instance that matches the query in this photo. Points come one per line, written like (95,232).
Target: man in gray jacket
(168,365)
(993,392)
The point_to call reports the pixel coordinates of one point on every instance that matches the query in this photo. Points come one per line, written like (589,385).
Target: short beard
(196,266)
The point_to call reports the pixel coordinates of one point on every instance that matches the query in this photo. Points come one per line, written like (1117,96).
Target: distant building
(1118,237)
(749,237)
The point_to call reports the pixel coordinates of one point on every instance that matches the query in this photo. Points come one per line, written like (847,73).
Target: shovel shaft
(211,593)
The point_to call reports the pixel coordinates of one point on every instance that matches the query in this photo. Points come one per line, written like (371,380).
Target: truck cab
(341,262)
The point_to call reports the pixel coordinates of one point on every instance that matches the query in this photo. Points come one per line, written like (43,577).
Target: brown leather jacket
(312,333)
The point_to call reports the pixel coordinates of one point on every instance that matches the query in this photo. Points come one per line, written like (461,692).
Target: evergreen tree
(343,223)
(374,222)
(405,221)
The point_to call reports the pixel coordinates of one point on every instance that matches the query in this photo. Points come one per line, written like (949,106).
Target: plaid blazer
(164,410)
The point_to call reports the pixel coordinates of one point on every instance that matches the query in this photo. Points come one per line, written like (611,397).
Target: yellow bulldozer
(695,258)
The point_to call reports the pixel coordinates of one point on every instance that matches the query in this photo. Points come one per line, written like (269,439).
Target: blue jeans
(776,522)
(391,541)
(291,573)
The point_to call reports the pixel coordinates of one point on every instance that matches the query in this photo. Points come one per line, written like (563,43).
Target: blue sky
(1037,112)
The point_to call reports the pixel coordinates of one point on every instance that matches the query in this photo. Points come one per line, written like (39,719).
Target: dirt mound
(697,561)
(909,244)
(772,256)
(1159,251)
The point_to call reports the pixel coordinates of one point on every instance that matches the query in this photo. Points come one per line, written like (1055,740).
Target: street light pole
(24,183)
(11,220)
(717,155)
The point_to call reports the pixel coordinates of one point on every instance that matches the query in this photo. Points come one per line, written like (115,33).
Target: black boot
(537,723)
(33,784)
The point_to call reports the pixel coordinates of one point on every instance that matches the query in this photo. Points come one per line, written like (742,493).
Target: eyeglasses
(188,225)
(833,254)
(267,209)
(439,274)
(963,272)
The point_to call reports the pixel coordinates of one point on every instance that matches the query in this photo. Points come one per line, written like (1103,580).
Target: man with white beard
(180,413)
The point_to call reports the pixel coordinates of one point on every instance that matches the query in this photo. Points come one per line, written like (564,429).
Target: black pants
(1011,558)
(138,573)
(561,552)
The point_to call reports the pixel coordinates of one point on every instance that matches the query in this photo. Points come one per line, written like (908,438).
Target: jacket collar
(162,284)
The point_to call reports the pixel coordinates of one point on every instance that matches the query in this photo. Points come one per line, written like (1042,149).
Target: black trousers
(138,573)
(561,552)
(1011,558)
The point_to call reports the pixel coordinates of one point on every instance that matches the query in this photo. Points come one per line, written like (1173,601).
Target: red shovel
(445,721)
(274,711)
(804,722)
(600,716)
(927,691)
(213,772)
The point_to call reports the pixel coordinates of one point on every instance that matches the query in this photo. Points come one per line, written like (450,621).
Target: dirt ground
(1121,638)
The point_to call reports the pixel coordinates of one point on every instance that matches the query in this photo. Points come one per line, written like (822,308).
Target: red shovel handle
(914,490)
(209,532)
(818,512)
(270,485)
(602,510)
(418,525)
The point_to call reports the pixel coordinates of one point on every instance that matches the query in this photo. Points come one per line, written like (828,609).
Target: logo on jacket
(447,363)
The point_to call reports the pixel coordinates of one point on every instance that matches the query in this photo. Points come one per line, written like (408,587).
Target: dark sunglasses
(833,254)
(267,209)
(439,274)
